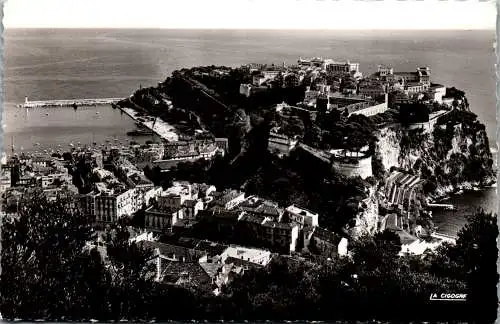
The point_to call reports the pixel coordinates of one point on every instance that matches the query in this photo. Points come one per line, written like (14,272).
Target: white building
(280,144)
(371,110)
(437,92)
(310,96)
(345,67)
(176,195)
(246,89)
(302,216)
(414,88)
(256,256)
(4,180)
(109,207)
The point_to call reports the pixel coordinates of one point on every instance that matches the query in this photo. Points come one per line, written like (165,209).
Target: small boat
(46,114)
(97,113)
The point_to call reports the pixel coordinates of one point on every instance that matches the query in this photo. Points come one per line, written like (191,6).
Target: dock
(68,102)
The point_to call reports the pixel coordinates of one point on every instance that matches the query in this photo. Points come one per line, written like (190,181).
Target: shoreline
(459,190)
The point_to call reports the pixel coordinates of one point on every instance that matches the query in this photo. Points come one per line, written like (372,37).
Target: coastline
(443,193)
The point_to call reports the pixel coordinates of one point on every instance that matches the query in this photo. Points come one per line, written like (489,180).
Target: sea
(101,63)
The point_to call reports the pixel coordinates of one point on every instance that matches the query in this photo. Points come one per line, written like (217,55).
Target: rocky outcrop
(367,219)
(388,148)
(454,156)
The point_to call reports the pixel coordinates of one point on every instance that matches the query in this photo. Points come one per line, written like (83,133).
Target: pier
(69,102)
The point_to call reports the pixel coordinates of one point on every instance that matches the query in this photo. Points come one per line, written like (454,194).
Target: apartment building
(280,144)
(302,216)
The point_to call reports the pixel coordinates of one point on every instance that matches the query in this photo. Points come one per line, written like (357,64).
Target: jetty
(68,102)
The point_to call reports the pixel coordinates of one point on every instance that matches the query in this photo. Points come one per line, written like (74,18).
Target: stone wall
(361,167)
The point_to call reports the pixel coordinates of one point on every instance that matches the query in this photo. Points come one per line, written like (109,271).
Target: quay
(444,237)
(158,126)
(446,206)
(68,102)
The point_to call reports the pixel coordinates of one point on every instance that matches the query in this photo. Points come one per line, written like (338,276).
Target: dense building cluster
(21,174)
(338,88)
(209,235)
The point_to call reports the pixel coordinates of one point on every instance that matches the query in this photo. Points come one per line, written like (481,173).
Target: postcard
(297,160)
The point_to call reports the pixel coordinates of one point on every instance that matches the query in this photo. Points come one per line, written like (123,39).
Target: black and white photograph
(249,160)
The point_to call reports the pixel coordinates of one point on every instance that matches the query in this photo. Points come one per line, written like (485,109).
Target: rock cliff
(367,220)
(454,156)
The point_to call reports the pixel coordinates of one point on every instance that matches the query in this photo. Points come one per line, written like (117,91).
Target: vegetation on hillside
(48,273)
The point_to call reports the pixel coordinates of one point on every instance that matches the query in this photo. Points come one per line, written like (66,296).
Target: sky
(251,14)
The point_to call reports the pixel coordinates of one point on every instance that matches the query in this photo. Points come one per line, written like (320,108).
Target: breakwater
(69,102)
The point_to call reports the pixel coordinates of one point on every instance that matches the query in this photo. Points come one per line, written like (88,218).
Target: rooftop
(226,196)
(211,248)
(404,179)
(251,218)
(190,273)
(273,224)
(170,251)
(256,256)
(176,190)
(301,211)
(226,214)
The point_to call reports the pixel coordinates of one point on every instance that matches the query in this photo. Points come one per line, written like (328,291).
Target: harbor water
(46,64)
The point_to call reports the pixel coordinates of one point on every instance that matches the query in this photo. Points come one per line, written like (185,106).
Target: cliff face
(454,155)
(367,219)
(388,146)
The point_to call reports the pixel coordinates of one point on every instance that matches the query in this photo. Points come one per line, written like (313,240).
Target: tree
(46,271)
(131,274)
(474,259)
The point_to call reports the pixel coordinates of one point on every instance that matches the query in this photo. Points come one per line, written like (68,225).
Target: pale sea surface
(93,63)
